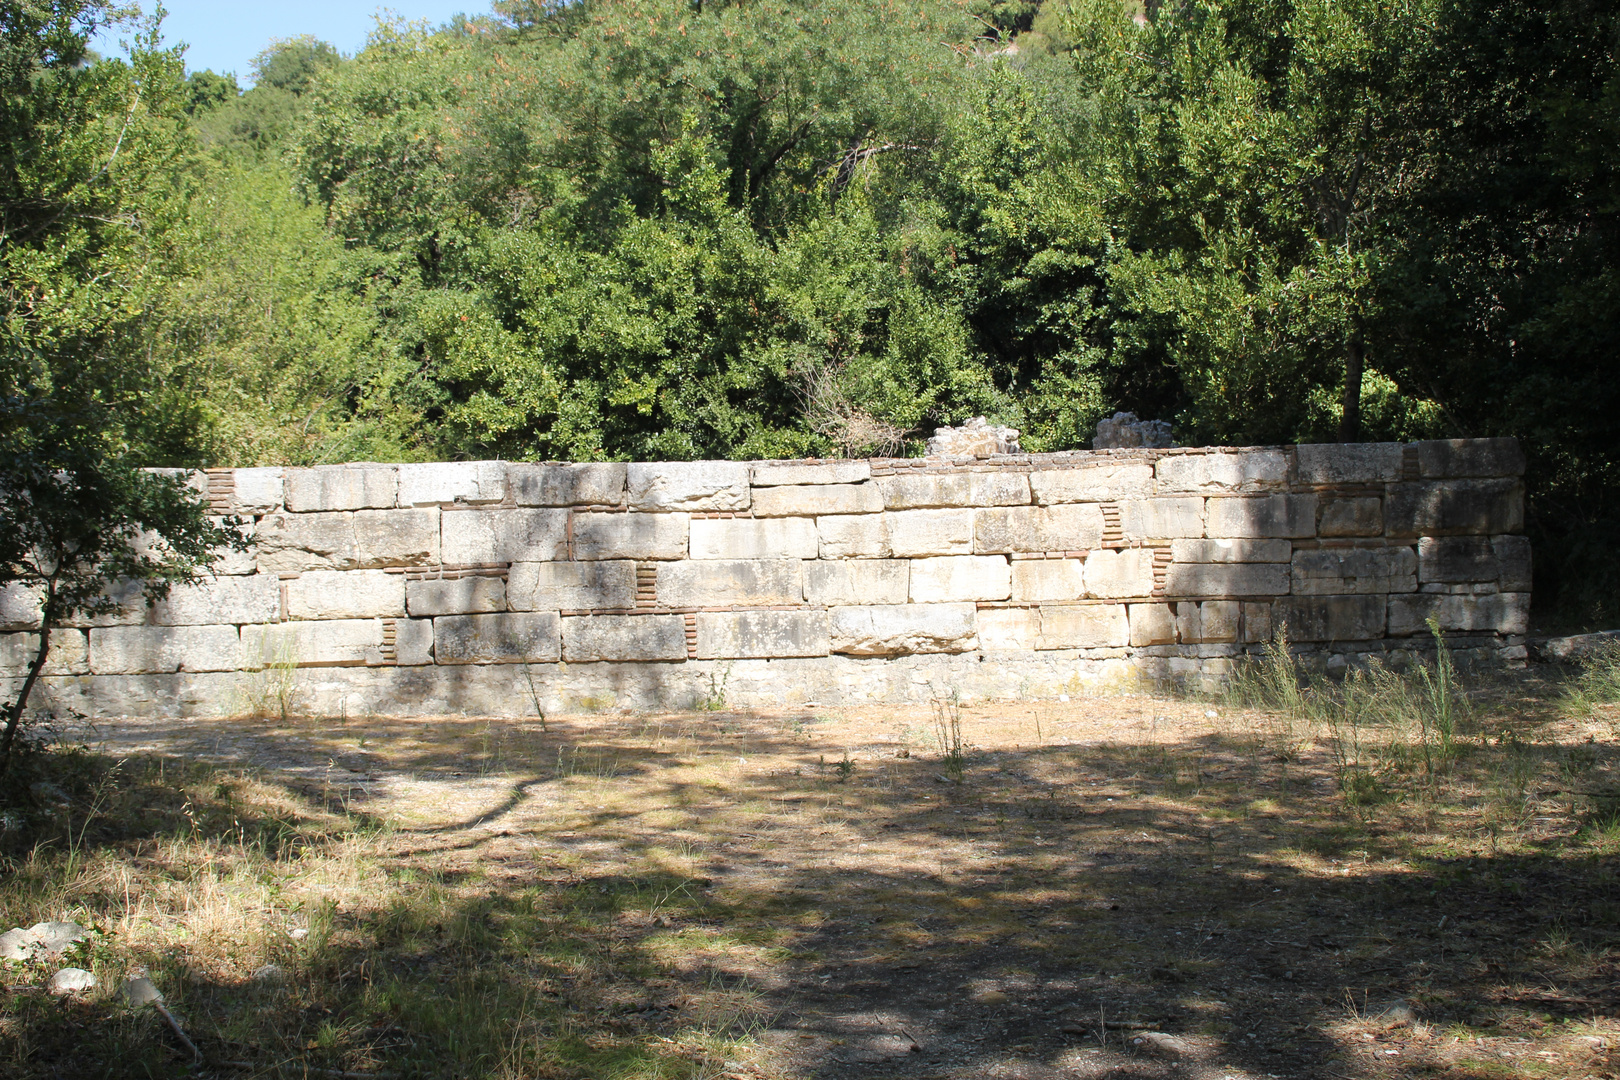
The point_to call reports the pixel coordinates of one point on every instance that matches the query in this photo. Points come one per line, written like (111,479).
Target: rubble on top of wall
(975,438)
(1124,431)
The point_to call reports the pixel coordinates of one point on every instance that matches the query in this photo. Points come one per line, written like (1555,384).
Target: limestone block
(365,539)
(1500,613)
(951,578)
(688,485)
(623,637)
(1359,516)
(437,482)
(1231,551)
(775,473)
(1513,556)
(1217,473)
(331,643)
(132,609)
(1331,618)
(1084,626)
(139,650)
(588,484)
(1256,623)
(1091,483)
(1452,458)
(810,500)
(1457,559)
(1063,527)
(1009,629)
(413,642)
(720,582)
(930,532)
(19,606)
(342,487)
(903,629)
(742,538)
(395,538)
(1330,571)
(1118,573)
(346,594)
(915,491)
(1212,622)
(1048,579)
(481,537)
(257,491)
(195,479)
(630,536)
(857,581)
(571,586)
(506,638)
(228,560)
(1162,519)
(1349,463)
(1152,624)
(1226,579)
(69,654)
(1455,507)
(459,596)
(855,536)
(730,635)
(248,598)
(1266,516)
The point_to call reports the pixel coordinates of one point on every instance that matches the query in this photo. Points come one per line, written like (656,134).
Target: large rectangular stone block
(481,537)
(916,491)
(69,653)
(1453,458)
(342,487)
(630,536)
(904,629)
(1119,573)
(413,642)
(1513,556)
(1265,516)
(1048,579)
(857,581)
(1349,463)
(1231,551)
(721,582)
(257,491)
(855,536)
(346,594)
(459,596)
(930,532)
(774,473)
(364,539)
(1500,613)
(1356,516)
(157,650)
(1213,622)
(250,598)
(438,482)
(742,538)
(728,635)
(394,538)
(20,606)
(623,637)
(1162,519)
(507,638)
(600,483)
(1009,629)
(688,485)
(812,500)
(1226,579)
(951,578)
(1063,527)
(1152,624)
(331,643)
(1218,473)
(132,608)
(571,586)
(1329,571)
(1331,618)
(1455,507)
(1091,483)
(1084,626)
(1457,559)
(228,560)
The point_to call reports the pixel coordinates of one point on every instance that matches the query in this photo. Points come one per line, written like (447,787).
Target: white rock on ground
(140,991)
(71,981)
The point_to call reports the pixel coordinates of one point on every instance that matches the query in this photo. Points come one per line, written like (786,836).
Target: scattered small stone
(51,939)
(1398,1013)
(1162,1043)
(269,975)
(16,944)
(1124,430)
(990,997)
(71,981)
(975,438)
(141,991)
(298,933)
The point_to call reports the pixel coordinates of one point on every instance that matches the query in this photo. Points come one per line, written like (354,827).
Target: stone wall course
(953,578)
(585,484)
(813,500)
(69,654)
(857,581)
(1454,508)
(777,473)
(630,536)
(1222,473)
(1119,573)
(1353,516)
(1331,618)
(1048,579)
(342,487)
(250,598)
(1162,519)
(688,485)
(724,582)
(329,643)
(1455,458)
(954,489)
(1268,516)
(857,536)
(916,533)
(346,594)
(459,596)
(1231,551)
(258,491)
(358,540)
(482,537)
(623,637)
(1093,483)
(903,629)
(746,538)
(141,650)
(1083,626)
(506,638)
(571,586)
(762,634)
(1222,580)
(1330,571)
(1062,527)
(1349,463)
(444,482)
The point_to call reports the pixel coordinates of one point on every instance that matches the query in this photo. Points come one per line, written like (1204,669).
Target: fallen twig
(179,1031)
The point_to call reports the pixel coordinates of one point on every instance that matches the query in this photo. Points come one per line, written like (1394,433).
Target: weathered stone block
(774,473)
(1091,483)
(1009,629)
(132,608)
(481,537)
(855,536)
(257,491)
(1349,463)
(742,538)
(1455,507)
(1513,556)
(930,532)
(1256,623)
(761,634)
(342,487)
(413,642)
(1231,551)
(1152,624)
(1452,458)
(1457,559)
(459,596)
(69,655)
(857,581)
(589,484)
(1360,516)
(571,586)
(452,482)
(1162,519)
(1331,618)
(623,637)
(630,536)
(811,500)
(1118,573)
(1266,516)
(1048,579)
(1213,622)
(915,491)
(1226,579)
(346,594)
(365,539)
(228,560)
(507,638)
(19,607)
(721,582)
(142,650)
(1063,527)
(250,598)
(1084,626)
(688,485)
(1216,473)
(1500,613)
(1330,571)
(903,629)
(332,643)
(952,578)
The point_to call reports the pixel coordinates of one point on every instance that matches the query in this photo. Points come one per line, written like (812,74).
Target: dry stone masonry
(502,588)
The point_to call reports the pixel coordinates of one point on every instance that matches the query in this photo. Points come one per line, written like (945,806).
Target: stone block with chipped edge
(930,532)
(948,579)
(855,536)
(1331,571)
(1218,473)
(1499,613)
(458,596)
(1275,516)
(630,536)
(510,637)
(1009,629)
(1211,622)
(1457,559)
(342,487)
(1256,622)
(329,643)
(1513,556)
(588,638)
(142,650)
(1047,579)
(597,483)
(1219,580)
(228,560)
(857,581)
(1162,519)
(571,586)
(445,482)
(688,485)
(1084,626)
(1063,527)
(477,537)
(1348,463)
(904,629)
(346,594)
(739,635)
(1361,515)
(247,598)
(1454,508)
(1091,483)
(258,490)
(748,538)
(413,642)
(1441,459)
(814,500)
(358,540)
(1330,618)
(723,582)
(778,473)
(20,606)
(1151,624)
(69,655)
(1231,551)
(917,491)
(1119,573)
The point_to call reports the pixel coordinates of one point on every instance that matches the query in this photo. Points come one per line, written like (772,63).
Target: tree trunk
(15,710)
(1350,403)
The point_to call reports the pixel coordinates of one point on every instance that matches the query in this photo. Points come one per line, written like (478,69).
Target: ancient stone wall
(500,588)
